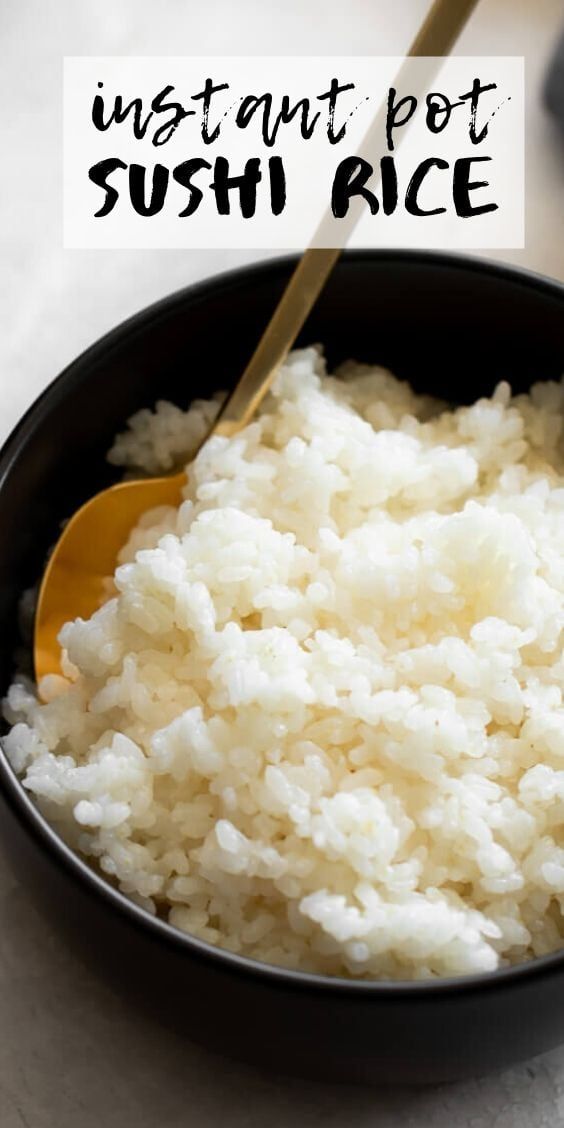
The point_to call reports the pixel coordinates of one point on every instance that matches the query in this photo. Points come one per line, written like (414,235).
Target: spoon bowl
(75,581)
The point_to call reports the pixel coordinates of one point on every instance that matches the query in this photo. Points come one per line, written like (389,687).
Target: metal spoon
(86,552)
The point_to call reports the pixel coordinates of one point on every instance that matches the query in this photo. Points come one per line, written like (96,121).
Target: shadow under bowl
(453,326)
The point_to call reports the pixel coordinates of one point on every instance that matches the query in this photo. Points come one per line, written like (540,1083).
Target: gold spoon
(86,552)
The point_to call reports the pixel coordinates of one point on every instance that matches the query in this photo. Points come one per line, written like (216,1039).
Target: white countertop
(72,1054)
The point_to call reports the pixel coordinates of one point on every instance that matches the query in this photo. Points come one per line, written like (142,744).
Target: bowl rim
(27,813)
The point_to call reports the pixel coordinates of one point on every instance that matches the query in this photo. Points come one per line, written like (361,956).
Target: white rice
(322,722)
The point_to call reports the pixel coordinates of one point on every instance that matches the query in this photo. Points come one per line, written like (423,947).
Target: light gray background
(72,1054)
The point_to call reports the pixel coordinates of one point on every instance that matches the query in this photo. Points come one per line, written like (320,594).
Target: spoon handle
(441,28)
(299,297)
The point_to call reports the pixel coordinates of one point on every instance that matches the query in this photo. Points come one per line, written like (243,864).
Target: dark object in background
(454,326)
(554,84)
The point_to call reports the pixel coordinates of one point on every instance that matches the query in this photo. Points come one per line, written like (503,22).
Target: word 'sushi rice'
(322,722)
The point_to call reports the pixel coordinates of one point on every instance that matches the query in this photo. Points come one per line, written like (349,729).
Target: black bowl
(453,327)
